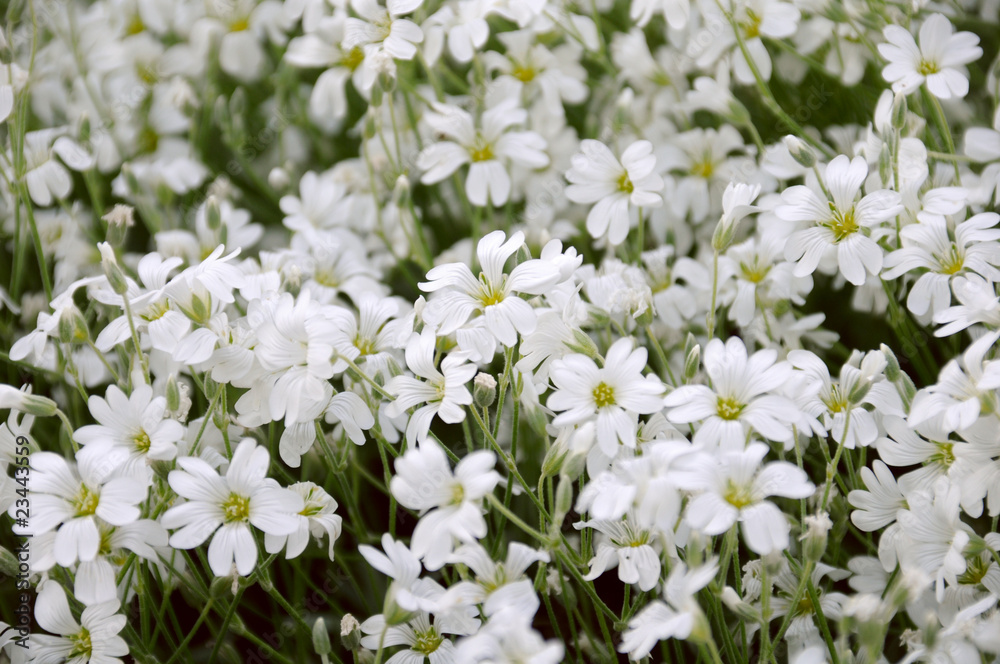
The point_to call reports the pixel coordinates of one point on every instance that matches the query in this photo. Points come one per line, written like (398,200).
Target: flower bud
(800,151)
(692,362)
(212,214)
(14,399)
(111,269)
(484,390)
(892,371)
(321,638)
(350,632)
(815,537)
(8,563)
(120,219)
(278,178)
(564,497)
(885,164)
(899,110)
(582,343)
(72,326)
(173,393)
(553,461)
(401,192)
(725,232)
(736,604)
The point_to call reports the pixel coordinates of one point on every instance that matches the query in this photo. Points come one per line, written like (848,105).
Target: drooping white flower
(633,550)
(938,61)
(616,188)
(317,518)
(424,481)
(228,505)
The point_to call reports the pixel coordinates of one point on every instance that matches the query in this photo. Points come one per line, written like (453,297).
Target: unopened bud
(350,632)
(582,343)
(815,537)
(213,216)
(564,497)
(369,123)
(859,392)
(401,192)
(120,219)
(72,326)
(736,604)
(553,461)
(892,370)
(321,638)
(885,164)
(725,232)
(484,390)
(692,363)
(8,563)
(111,269)
(278,178)
(800,151)
(899,110)
(173,394)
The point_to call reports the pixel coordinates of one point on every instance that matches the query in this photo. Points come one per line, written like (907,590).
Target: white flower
(498,586)
(935,536)
(841,223)
(735,488)
(131,426)
(383,27)
(978,303)
(95,640)
(486,149)
(76,499)
(421,638)
(443,391)
(938,61)
(633,550)
(317,518)
(507,638)
(424,481)
(740,399)
(244,496)
(616,188)
(927,245)
(612,395)
(679,617)
(494,294)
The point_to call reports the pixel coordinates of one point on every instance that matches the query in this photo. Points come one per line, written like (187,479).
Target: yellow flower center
(353,59)
(804,607)
(926,68)
(755,272)
(142,442)
(703,168)
(604,395)
(737,495)
(364,345)
(751,26)
(952,261)
(729,408)
(86,502)
(975,571)
(625,184)
(239,25)
(944,456)
(82,646)
(524,73)
(481,150)
(488,293)
(135,26)
(155,311)
(457,494)
(837,403)
(236,508)
(843,224)
(427,642)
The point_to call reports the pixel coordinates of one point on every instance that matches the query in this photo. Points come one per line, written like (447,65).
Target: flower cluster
(522,330)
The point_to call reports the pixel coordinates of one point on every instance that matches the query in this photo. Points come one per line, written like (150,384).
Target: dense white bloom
(937,61)
(228,505)
(615,188)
